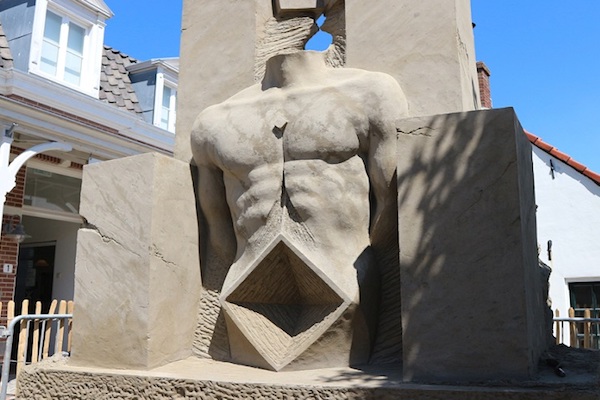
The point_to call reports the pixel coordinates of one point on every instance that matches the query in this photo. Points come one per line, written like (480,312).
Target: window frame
(63,49)
(164,80)
(594,307)
(91,61)
(41,212)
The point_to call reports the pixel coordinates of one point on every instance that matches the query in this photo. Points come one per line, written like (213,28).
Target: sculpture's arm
(391,106)
(217,236)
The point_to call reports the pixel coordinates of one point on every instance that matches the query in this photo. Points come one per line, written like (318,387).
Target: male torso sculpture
(303,166)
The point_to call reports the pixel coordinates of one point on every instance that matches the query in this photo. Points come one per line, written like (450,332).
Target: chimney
(483,75)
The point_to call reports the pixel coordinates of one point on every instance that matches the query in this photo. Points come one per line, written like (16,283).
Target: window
(167,111)
(66,43)
(51,191)
(586,296)
(62,49)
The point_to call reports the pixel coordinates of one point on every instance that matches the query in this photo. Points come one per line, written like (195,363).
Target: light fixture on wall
(41,263)
(15,232)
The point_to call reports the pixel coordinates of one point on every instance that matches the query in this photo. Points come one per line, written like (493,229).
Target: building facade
(60,83)
(568,220)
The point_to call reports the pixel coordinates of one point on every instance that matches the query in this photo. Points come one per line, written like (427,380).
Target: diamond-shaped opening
(293,319)
(282,304)
(283,278)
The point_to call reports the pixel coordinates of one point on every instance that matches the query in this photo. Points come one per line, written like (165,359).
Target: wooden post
(36,334)
(558,327)
(10,312)
(22,346)
(587,342)
(573,327)
(70,308)
(40,340)
(48,330)
(60,333)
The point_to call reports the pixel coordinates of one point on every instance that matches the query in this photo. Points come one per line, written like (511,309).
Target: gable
(554,152)
(99,6)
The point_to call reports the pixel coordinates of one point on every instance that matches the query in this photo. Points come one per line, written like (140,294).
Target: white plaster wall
(65,236)
(568,214)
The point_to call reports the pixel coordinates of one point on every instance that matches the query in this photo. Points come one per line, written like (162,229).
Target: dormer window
(155,82)
(62,49)
(67,41)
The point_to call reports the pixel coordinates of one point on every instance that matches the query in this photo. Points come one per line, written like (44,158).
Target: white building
(568,224)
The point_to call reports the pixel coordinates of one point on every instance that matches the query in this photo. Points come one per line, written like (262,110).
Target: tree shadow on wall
(472,294)
(468,260)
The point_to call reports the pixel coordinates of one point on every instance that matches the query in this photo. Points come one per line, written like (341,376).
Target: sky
(544,57)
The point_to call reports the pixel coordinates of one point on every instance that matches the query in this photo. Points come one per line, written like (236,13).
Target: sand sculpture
(333,217)
(290,164)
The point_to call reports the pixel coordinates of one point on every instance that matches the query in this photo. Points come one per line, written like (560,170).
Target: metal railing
(41,344)
(583,332)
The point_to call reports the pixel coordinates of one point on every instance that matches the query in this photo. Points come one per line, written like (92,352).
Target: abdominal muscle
(319,206)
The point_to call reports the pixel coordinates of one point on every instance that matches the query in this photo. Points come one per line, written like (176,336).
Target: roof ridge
(131,59)
(567,159)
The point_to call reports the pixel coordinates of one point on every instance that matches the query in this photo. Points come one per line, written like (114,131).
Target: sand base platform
(205,379)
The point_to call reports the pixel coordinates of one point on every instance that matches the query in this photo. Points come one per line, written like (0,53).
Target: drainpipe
(8,170)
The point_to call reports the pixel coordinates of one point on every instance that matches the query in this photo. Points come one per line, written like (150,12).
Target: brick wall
(15,197)
(9,253)
(9,249)
(483,75)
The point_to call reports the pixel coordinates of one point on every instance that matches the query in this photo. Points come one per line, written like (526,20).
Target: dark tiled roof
(6,60)
(115,85)
(554,152)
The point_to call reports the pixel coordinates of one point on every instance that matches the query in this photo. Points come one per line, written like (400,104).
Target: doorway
(35,273)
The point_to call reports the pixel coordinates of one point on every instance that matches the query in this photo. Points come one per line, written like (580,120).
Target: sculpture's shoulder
(207,124)
(379,92)
(210,120)
(203,136)
(207,129)
(218,123)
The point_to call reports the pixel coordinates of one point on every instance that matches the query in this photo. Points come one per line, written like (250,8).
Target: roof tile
(578,166)
(129,104)
(592,175)
(133,97)
(560,155)
(110,97)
